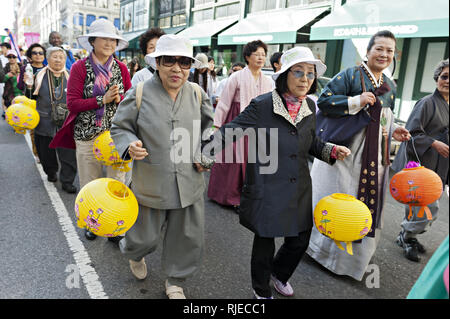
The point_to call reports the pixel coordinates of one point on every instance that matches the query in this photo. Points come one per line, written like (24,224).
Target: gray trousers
(417,225)
(183,240)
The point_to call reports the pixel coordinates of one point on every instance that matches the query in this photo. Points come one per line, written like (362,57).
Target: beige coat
(159,181)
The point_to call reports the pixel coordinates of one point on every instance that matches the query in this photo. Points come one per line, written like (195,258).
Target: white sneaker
(174,292)
(284,289)
(139,269)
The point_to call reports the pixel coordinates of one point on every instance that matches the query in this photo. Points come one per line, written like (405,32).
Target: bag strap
(50,87)
(139,93)
(198,91)
(363,85)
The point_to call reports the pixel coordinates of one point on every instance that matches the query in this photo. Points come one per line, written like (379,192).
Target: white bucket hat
(203,58)
(102,28)
(172,45)
(297,55)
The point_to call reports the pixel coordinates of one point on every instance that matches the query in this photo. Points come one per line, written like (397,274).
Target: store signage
(369,31)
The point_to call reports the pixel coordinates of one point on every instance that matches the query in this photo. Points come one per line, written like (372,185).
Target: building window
(201,2)
(228,11)
(172,13)
(78,23)
(102,3)
(89,19)
(164,22)
(165,6)
(203,15)
(141,14)
(117,23)
(126,17)
(90,3)
(262,5)
(293,3)
(77,1)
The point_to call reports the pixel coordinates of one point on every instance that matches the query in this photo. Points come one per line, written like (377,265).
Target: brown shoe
(139,269)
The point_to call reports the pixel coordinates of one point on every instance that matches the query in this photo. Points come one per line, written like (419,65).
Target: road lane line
(82,259)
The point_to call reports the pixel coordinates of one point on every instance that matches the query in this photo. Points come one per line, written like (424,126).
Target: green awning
(404,18)
(133,39)
(201,34)
(271,27)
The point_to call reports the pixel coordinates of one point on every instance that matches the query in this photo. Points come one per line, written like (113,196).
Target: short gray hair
(441,66)
(52,50)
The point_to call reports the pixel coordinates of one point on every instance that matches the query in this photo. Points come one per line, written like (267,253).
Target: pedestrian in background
(364,174)
(226,179)
(428,125)
(12,74)
(168,193)
(275,61)
(147,44)
(5,47)
(279,203)
(134,66)
(212,76)
(50,87)
(36,55)
(55,39)
(96,86)
(202,75)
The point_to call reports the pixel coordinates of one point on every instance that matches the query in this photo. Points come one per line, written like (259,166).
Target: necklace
(369,75)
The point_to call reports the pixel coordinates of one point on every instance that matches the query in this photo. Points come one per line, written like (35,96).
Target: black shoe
(89,235)
(52,178)
(69,188)
(237,209)
(115,240)
(409,246)
(420,248)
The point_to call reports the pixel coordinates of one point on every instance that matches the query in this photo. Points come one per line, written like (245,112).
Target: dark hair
(6,44)
(147,36)
(251,47)
(282,87)
(380,34)
(30,49)
(275,58)
(205,78)
(213,72)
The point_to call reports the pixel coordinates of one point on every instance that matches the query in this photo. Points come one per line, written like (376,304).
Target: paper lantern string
(415,152)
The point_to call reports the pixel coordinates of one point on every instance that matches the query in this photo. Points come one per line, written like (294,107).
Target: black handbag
(340,130)
(59,107)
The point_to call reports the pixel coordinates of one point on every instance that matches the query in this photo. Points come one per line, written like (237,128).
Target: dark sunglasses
(11,57)
(183,62)
(444,77)
(299,74)
(37,52)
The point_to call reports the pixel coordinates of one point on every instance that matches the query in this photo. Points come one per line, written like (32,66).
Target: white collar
(377,82)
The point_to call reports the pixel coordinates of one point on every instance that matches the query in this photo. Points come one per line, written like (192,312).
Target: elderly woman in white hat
(95,88)
(277,202)
(169,190)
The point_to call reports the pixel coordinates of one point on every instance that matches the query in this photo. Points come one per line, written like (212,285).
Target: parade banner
(31,37)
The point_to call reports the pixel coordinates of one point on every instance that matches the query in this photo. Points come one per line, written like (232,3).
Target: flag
(13,44)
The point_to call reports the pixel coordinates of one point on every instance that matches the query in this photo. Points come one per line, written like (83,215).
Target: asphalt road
(37,261)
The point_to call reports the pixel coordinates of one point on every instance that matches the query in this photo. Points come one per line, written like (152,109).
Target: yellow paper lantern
(22,114)
(342,218)
(106,153)
(106,207)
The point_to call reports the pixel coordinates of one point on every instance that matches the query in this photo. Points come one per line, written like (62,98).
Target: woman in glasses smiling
(279,203)
(36,56)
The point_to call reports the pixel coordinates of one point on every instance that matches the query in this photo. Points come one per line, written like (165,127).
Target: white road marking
(82,259)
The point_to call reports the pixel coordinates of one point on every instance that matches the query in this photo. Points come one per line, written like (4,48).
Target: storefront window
(228,11)
(179,19)
(179,5)
(165,6)
(201,2)
(262,5)
(164,22)
(126,17)
(141,14)
(203,15)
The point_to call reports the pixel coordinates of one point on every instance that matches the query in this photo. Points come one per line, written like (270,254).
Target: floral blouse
(85,128)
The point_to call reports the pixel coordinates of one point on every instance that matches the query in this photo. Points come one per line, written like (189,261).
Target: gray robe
(158,181)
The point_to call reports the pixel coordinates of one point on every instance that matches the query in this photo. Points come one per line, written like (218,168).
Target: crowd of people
(142,106)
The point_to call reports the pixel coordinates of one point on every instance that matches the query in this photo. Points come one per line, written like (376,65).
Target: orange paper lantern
(416,186)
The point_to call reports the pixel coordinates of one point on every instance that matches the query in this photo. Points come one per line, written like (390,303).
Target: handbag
(341,130)
(59,108)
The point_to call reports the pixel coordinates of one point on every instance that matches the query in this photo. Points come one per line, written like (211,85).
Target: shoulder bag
(341,130)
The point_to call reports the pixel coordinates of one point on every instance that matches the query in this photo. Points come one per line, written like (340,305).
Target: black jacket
(278,203)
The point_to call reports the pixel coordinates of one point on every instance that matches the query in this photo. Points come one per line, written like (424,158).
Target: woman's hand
(342,152)
(401,134)
(112,95)
(441,148)
(136,151)
(200,168)
(367,98)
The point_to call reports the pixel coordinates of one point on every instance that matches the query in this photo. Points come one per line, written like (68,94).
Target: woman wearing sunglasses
(36,56)
(428,124)
(12,73)
(95,88)
(279,203)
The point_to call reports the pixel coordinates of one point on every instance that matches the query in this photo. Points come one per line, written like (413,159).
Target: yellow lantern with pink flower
(22,114)
(106,207)
(342,218)
(106,153)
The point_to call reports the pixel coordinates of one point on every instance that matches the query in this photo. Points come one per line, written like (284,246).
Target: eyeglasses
(299,74)
(37,52)
(444,77)
(259,55)
(11,57)
(184,62)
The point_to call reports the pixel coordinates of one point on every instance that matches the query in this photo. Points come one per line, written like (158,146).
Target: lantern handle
(415,152)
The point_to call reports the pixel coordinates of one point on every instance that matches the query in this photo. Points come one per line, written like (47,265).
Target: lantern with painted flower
(416,185)
(106,207)
(22,114)
(342,218)
(106,153)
